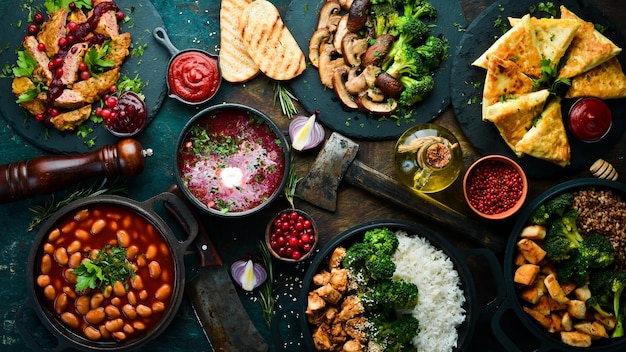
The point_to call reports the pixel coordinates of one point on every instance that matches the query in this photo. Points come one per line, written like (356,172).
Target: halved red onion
(305,132)
(248,273)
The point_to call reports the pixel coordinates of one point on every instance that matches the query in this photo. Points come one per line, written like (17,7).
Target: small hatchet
(337,162)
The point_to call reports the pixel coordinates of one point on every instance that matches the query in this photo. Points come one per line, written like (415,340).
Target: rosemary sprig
(266,291)
(290,185)
(42,212)
(286,99)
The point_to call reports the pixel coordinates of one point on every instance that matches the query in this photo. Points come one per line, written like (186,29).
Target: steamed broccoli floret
(433,52)
(539,216)
(561,227)
(598,305)
(619,284)
(558,248)
(415,89)
(601,286)
(389,295)
(559,204)
(384,16)
(396,334)
(597,251)
(356,256)
(573,269)
(406,62)
(419,8)
(411,32)
(382,239)
(380,265)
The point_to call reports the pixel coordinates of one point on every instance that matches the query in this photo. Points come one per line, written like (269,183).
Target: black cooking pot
(67,338)
(534,337)
(459,258)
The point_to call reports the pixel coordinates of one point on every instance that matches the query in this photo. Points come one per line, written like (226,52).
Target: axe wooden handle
(381,185)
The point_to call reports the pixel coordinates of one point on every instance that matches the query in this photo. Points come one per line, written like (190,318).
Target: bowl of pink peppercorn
(291,236)
(495,187)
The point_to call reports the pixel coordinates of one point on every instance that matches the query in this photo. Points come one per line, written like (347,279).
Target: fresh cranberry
(38,17)
(296,240)
(85,75)
(120,15)
(72,26)
(32,29)
(41,47)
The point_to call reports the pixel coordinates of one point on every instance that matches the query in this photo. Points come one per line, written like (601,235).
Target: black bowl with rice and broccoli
(391,285)
(565,268)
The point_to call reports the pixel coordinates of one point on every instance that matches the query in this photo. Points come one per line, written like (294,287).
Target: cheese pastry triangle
(547,139)
(554,36)
(588,49)
(519,45)
(504,80)
(606,81)
(514,117)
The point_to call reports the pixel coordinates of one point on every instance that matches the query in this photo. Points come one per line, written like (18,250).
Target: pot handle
(26,332)
(496,272)
(161,36)
(181,212)
(531,341)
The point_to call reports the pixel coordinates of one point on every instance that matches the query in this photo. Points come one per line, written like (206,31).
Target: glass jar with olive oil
(428,158)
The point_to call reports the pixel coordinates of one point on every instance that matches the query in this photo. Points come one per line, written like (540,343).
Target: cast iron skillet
(66,338)
(458,256)
(543,341)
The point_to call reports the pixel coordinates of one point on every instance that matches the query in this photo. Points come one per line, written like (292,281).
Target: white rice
(440,304)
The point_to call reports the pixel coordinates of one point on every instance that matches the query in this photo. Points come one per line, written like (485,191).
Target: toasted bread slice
(236,65)
(269,42)
(547,139)
(606,81)
(518,44)
(588,49)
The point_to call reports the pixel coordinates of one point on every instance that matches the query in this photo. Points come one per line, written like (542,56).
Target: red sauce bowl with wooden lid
(193,76)
(495,187)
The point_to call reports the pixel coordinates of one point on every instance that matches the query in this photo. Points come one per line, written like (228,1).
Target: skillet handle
(161,36)
(496,272)
(27,331)
(181,212)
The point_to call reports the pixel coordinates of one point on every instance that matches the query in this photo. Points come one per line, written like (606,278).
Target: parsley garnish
(109,266)
(94,59)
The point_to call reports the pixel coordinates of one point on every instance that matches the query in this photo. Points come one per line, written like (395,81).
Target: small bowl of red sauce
(590,119)
(495,187)
(291,236)
(193,75)
(127,115)
(231,160)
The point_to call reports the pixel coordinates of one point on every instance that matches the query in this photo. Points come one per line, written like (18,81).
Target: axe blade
(319,186)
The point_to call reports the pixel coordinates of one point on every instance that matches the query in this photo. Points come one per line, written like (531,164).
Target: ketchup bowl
(590,119)
(193,75)
(231,160)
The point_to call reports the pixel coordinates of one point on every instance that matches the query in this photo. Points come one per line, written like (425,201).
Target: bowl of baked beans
(107,273)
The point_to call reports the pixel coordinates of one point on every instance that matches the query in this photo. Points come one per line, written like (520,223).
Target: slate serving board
(301,19)
(484,136)
(151,67)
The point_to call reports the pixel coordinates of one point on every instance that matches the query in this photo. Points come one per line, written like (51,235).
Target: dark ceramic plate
(150,66)
(457,256)
(465,86)
(541,340)
(301,19)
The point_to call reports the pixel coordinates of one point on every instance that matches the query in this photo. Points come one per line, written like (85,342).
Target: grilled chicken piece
(95,87)
(353,346)
(350,308)
(52,30)
(356,328)
(42,72)
(119,49)
(107,25)
(68,121)
(321,278)
(321,338)
(329,294)
(70,65)
(576,338)
(19,86)
(339,279)
(337,257)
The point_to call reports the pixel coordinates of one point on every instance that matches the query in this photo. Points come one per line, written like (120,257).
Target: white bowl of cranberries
(291,235)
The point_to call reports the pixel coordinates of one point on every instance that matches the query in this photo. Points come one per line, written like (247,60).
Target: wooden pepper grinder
(48,174)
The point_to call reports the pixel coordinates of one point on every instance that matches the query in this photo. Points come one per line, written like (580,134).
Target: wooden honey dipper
(603,169)
(48,174)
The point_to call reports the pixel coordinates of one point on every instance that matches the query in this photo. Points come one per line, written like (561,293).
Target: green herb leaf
(266,291)
(25,65)
(134,85)
(94,59)
(286,99)
(53,5)
(109,266)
